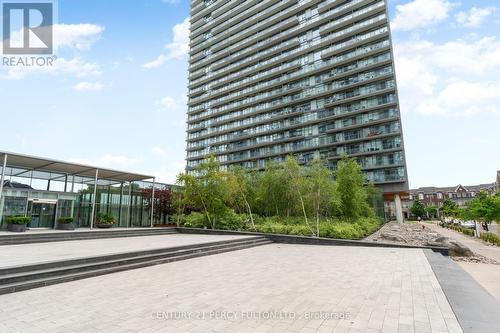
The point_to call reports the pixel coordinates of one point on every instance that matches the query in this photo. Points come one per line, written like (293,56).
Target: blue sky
(116,95)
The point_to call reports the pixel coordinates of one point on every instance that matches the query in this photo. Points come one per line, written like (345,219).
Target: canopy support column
(2,179)
(129,210)
(94,199)
(120,206)
(153,201)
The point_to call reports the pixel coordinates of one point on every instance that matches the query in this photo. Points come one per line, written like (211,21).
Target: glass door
(42,214)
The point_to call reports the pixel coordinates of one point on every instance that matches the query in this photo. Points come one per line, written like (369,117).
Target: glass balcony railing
(374,102)
(253,18)
(306,92)
(304,46)
(309,20)
(343,83)
(317,65)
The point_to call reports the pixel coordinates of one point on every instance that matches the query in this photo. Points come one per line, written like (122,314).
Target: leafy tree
(321,189)
(241,190)
(283,190)
(272,191)
(295,183)
(375,199)
(484,208)
(208,190)
(179,202)
(450,208)
(418,208)
(431,211)
(162,203)
(350,189)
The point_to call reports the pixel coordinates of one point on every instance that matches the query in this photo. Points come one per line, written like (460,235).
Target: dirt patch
(404,233)
(417,234)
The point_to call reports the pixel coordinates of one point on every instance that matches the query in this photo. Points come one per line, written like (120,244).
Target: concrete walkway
(476,245)
(25,254)
(49,231)
(487,275)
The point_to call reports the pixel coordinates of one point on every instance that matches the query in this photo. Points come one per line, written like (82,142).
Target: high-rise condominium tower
(269,78)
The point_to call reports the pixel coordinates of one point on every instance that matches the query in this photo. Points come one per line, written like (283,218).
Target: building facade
(497,183)
(313,78)
(435,196)
(45,190)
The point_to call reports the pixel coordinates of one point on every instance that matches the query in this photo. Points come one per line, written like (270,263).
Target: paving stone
(383,290)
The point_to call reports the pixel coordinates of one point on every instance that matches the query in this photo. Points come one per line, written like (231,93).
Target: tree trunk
(304,210)
(317,211)
(249,210)
(206,211)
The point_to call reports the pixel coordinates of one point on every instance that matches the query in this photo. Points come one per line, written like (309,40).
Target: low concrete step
(79,235)
(22,278)
(117,256)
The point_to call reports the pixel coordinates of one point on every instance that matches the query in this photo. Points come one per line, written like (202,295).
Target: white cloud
(455,78)
(464,98)
(474,17)
(158,151)
(72,36)
(472,57)
(75,66)
(160,60)
(177,49)
(177,107)
(171,168)
(78,36)
(421,14)
(167,103)
(89,86)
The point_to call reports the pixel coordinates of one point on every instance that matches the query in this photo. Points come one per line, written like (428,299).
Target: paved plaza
(24,254)
(310,288)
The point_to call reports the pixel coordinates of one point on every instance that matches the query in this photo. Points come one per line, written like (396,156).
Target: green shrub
(196,220)
(468,232)
(273,228)
(300,230)
(369,225)
(105,219)
(294,225)
(328,228)
(459,228)
(490,238)
(181,218)
(65,220)
(232,221)
(229,221)
(341,230)
(18,219)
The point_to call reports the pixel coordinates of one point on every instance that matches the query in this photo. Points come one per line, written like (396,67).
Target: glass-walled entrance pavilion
(46,190)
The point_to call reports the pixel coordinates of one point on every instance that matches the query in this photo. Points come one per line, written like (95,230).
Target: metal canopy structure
(19,165)
(33,167)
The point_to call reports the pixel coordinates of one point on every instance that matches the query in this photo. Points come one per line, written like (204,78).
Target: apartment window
(440,195)
(421,196)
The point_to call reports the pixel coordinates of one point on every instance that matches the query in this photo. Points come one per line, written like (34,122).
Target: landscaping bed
(418,235)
